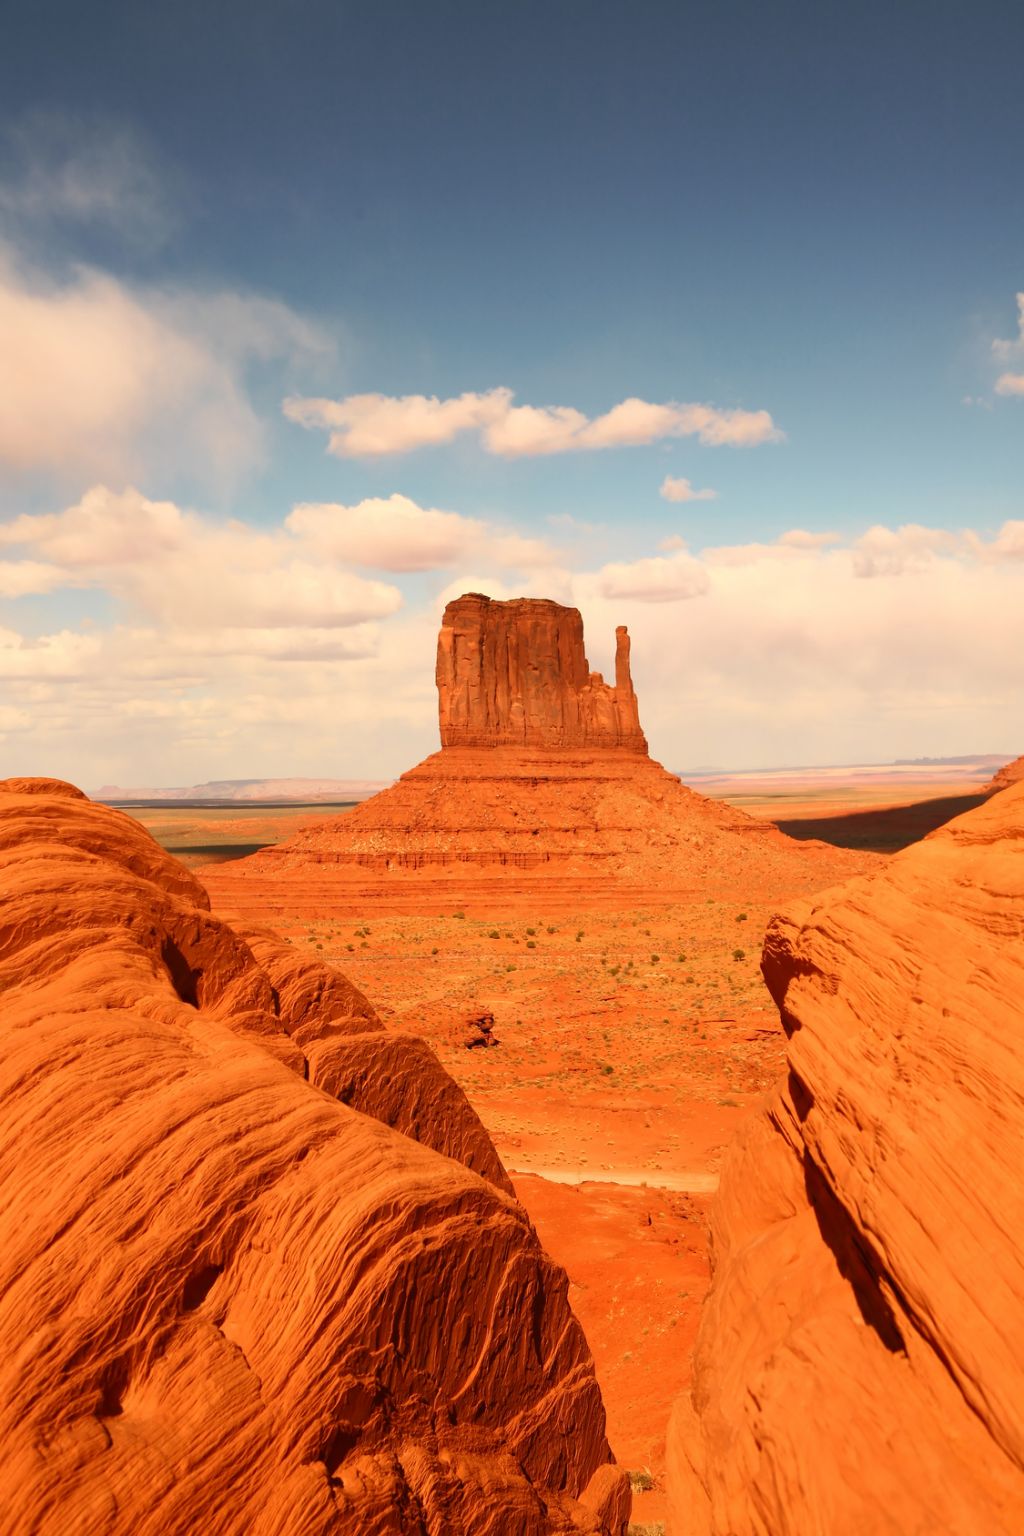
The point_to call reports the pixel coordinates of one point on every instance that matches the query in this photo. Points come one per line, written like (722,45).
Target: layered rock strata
(260,1269)
(860,1365)
(515,674)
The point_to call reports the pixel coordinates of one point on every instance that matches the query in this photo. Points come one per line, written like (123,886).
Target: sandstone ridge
(261,1269)
(1010,773)
(860,1365)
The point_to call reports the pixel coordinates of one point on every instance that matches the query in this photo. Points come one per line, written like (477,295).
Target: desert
(511,794)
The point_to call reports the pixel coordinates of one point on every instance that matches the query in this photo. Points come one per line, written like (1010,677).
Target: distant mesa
(262,1270)
(227,790)
(860,1363)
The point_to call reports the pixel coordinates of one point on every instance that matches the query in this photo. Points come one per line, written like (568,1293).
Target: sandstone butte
(543,783)
(860,1364)
(262,1271)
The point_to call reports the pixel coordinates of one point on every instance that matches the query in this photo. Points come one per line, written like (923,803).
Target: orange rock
(249,1280)
(860,1366)
(543,780)
(515,674)
(1010,773)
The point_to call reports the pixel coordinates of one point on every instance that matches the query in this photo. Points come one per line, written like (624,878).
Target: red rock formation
(1010,773)
(515,674)
(587,812)
(249,1282)
(860,1366)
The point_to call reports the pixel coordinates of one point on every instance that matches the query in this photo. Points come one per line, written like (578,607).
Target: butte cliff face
(515,674)
(260,1268)
(860,1366)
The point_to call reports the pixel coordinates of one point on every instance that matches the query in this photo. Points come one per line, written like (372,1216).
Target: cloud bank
(308,645)
(373,425)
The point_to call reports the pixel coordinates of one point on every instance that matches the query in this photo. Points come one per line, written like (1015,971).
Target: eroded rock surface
(516,674)
(860,1366)
(249,1279)
(1009,773)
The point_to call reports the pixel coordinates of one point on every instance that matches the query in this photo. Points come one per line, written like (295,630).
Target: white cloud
(892,551)
(29,578)
(366,426)
(1010,351)
(108,381)
(184,570)
(676,488)
(393,533)
(657,579)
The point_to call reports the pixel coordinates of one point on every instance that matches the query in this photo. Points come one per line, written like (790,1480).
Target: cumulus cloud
(393,533)
(29,578)
(105,380)
(676,488)
(371,425)
(657,579)
(183,569)
(892,551)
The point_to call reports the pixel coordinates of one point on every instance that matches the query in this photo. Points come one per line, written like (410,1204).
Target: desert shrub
(655,959)
(739,954)
(607,1070)
(579,936)
(641,1482)
(494,934)
(552,930)
(531,943)
(530,932)
(741,917)
(435,950)
(458,914)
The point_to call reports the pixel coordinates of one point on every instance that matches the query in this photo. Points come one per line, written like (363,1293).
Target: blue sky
(809,210)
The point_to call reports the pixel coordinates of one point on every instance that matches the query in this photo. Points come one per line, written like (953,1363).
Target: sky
(706,319)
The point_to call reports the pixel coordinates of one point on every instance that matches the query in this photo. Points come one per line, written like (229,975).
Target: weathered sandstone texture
(860,1365)
(1010,773)
(516,674)
(260,1268)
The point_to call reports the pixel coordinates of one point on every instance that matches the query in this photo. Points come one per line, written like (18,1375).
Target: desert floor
(633,1044)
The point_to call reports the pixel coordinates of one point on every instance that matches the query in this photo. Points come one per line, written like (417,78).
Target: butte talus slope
(860,1366)
(260,1269)
(543,776)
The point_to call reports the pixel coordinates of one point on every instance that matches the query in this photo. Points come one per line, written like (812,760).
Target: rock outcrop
(860,1366)
(515,674)
(543,783)
(1010,773)
(260,1268)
